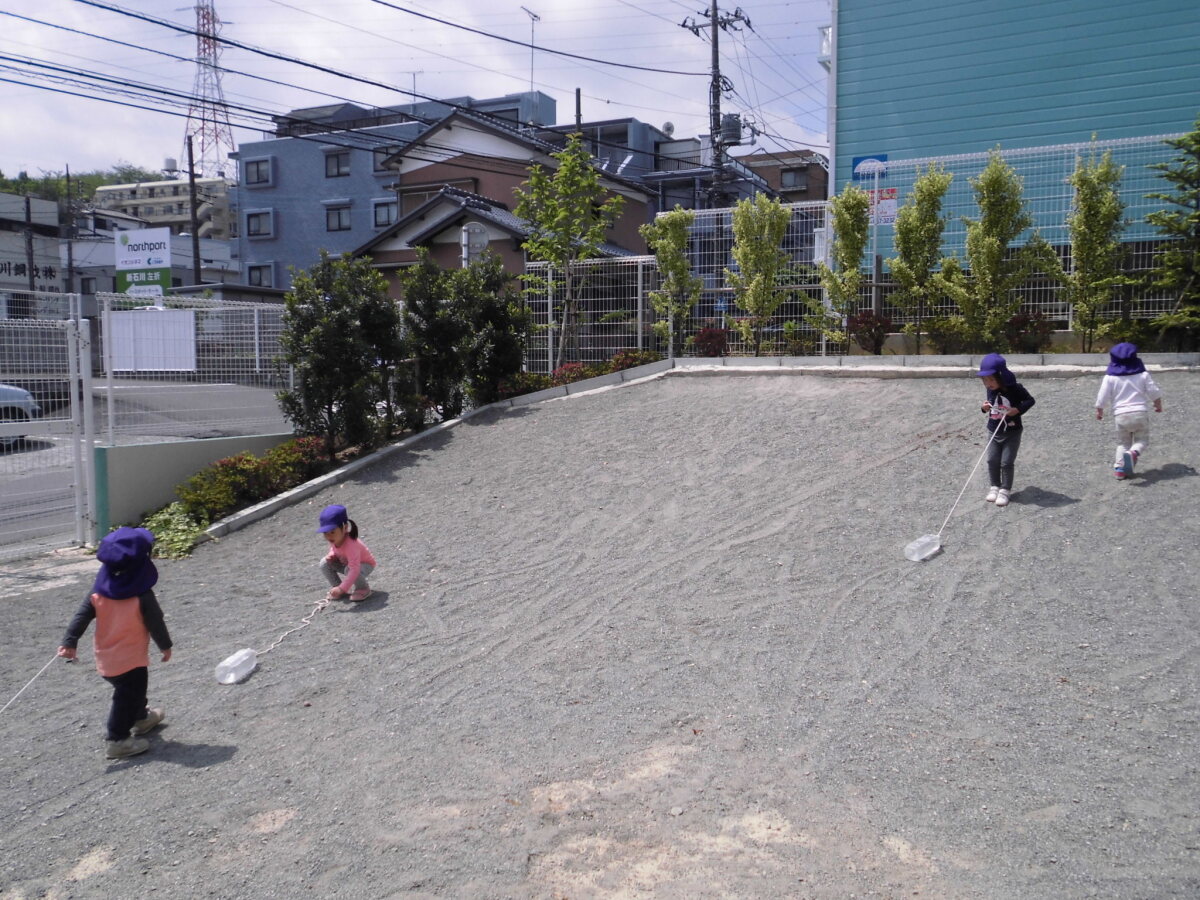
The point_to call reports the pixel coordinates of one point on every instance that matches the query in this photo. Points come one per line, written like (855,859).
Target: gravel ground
(659,640)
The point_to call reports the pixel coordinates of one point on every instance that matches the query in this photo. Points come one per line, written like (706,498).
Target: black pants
(128,702)
(1001,456)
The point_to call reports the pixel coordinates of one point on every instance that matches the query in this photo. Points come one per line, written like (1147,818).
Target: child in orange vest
(127,615)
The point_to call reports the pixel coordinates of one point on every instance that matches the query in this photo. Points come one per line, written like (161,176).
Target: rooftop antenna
(208,118)
(533,17)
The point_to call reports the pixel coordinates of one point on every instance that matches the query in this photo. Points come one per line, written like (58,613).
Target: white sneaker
(992,493)
(1002,497)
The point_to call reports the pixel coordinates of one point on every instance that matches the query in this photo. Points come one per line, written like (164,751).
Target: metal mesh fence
(43,466)
(189,368)
(617,312)
(1048,195)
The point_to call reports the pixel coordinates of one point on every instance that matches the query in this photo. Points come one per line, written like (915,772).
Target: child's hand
(1158,405)
(1099,413)
(985,406)
(167,655)
(335,594)
(67,653)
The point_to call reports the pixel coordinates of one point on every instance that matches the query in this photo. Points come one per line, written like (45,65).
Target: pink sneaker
(360,596)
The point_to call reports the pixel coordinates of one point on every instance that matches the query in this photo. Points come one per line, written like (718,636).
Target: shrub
(523,383)
(711,341)
(629,359)
(175,531)
(239,481)
(948,334)
(870,331)
(1028,332)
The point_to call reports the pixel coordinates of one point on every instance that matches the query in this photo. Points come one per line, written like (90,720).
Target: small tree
(1177,263)
(758,229)
(919,228)
(1097,255)
(322,340)
(493,348)
(436,328)
(987,296)
(667,237)
(850,214)
(568,218)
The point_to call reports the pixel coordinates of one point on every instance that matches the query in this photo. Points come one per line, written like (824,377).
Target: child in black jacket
(1006,404)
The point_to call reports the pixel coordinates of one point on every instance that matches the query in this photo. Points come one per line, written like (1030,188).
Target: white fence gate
(46,460)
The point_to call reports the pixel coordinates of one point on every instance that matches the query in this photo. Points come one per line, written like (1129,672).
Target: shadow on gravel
(192,756)
(1035,496)
(374,603)
(1163,473)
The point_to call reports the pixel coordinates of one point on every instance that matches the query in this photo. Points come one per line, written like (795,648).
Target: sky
(388,51)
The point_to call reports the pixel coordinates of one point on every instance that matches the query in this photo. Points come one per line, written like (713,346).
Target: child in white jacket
(1127,387)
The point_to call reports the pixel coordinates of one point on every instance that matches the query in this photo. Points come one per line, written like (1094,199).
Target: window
(260,276)
(337,164)
(337,218)
(794,179)
(258,224)
(385,213)
(174,190)
(378,157)
(150,192)
(258,171)
(87,285)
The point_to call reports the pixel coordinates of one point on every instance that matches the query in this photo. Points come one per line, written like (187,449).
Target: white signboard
(144,262)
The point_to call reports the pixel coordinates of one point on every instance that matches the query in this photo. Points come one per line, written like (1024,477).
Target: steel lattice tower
(208,120)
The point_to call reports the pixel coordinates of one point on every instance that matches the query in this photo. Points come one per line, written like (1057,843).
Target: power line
(603,62)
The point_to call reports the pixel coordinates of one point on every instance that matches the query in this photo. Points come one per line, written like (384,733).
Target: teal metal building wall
(921,78)
(950,80)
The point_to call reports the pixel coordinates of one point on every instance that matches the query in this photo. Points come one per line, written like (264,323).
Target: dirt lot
(659,641)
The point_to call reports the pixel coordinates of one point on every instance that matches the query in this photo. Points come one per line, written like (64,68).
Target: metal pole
(641,307)
(533,17)
(196,278)
(75,365)
(89,422)
(106,336)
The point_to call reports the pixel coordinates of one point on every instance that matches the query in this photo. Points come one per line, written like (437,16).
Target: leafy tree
(380,322)
(919,228)
(493,349)
(1177,264)
(568,218)
(334,390)
(759,226)
(52,184)
(667,237)
(850,215)
(436,328)
(1097,255)
(988,296)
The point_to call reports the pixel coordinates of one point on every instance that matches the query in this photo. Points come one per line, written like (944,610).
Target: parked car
(16,405)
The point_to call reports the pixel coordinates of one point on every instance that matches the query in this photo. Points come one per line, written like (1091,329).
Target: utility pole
(70,237)
(195,217)
(29,269)
(718,83)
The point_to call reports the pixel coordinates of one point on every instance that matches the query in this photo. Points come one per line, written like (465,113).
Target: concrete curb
(1064,365)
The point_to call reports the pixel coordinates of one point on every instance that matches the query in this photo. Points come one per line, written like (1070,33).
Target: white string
(31,681)
(307,620)
(995,431)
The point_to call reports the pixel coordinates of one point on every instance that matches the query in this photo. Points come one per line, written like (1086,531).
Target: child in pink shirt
(348,562)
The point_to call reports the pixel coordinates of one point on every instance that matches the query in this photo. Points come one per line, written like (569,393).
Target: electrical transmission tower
(208,120)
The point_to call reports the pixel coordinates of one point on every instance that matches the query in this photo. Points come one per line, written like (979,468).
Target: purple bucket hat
(125,566)
(1123,360)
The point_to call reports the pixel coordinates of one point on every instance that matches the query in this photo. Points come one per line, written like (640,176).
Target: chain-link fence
(189,368)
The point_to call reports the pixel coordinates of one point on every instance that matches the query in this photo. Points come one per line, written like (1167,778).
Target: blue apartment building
(320,182)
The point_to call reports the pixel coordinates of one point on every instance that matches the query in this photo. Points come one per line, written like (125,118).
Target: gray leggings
(334,572)
(1001,455)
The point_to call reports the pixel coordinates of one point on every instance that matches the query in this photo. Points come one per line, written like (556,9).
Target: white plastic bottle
(234,668)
